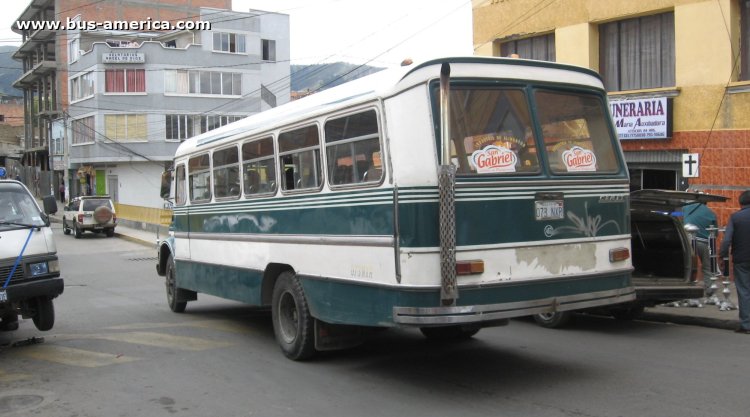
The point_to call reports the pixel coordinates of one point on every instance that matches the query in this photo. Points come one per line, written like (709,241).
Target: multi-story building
(108,107)
(677,73)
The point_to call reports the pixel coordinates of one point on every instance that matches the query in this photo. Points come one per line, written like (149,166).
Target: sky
(379,33)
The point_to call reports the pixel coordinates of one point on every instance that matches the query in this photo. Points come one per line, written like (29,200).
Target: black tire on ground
(174,305)
(76,231)
(110,232)
(626,313)
(554,320)
(293,325)
(65,229)
(44,316)
(9,322)
(458,332)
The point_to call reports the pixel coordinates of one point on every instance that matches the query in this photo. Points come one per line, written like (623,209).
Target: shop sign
(644,118)
(123,58)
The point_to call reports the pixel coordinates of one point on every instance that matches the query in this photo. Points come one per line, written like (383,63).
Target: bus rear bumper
(426,316)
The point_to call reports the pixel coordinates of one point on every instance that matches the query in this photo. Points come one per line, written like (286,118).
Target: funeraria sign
(646,118)
(123,58)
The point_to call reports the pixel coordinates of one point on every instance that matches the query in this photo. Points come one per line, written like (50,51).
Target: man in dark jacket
(737,235)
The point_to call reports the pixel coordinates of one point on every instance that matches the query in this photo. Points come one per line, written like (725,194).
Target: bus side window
(226,173)
(259,167)
(299,157)
(199,176)
(179,186)
(353,149)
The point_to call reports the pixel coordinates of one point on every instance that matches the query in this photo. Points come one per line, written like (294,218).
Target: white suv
(92,213)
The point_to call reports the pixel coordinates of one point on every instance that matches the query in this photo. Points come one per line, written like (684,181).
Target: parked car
(664,262)
(29,268)
(90,213)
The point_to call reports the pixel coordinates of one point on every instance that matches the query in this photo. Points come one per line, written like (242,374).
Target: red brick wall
(724,162)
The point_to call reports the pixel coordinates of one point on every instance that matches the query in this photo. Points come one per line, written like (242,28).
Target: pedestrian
(62,191)
(699,215)
(737,236)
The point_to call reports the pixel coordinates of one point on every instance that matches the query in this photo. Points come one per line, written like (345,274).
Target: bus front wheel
(172,299)
(293,325)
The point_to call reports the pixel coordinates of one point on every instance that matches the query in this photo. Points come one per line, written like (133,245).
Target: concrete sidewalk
(705,315)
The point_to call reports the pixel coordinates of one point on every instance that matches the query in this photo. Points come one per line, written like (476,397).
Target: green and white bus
(448,196)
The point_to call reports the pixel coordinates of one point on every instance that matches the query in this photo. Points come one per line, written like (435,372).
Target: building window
(744,40)
(538,47)
(268,48)
(74,49)
(202,82)
(82,131)
(82,86)
(125,127)
(638,53)
(213,122)
(229,42)
(180,126)
(125,81)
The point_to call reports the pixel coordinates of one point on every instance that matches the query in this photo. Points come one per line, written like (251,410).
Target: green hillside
(10,71)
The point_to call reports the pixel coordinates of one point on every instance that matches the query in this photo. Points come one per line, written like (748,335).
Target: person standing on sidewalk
(701,216)
(737,235)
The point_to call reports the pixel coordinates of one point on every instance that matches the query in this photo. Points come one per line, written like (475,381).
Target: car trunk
(662,250)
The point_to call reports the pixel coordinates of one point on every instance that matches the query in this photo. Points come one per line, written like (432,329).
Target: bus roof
(387,83)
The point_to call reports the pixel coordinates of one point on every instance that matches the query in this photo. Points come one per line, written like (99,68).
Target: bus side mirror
(166,183)
(50,204)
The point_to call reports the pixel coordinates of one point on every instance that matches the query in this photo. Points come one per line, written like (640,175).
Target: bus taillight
(619,254)
(469,267)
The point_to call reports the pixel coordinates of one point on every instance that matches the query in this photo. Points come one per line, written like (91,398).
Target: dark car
(664,263)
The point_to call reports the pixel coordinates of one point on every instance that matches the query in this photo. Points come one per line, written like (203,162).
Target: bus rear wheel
(554,320)
(293,325)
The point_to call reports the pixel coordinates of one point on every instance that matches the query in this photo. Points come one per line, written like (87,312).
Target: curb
(726,324)
(135,240)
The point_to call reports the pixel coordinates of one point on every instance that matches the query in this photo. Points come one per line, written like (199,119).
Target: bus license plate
(549,209)
(3,296)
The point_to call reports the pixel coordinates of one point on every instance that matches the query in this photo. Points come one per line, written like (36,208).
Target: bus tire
(554,320)
(44,315)
(293,325)
(172,290)
(459,332)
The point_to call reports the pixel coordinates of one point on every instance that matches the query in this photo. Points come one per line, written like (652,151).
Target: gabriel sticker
(579,159)
(494,159)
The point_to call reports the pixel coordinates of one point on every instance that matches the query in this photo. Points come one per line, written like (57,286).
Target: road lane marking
(160,340)
(6,377)
(220,325)
(72,356)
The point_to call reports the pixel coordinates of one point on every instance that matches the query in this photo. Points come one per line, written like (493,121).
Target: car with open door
(664,261)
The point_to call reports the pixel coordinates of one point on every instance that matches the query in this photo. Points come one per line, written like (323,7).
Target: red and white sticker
(579,159)
(494,159)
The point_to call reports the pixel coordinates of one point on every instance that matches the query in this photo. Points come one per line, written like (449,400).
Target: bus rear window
(491,131)
(576,134)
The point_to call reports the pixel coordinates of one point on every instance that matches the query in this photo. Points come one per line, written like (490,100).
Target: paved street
(117,350)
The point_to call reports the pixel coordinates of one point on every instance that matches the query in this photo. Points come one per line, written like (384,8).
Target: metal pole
(446,187)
